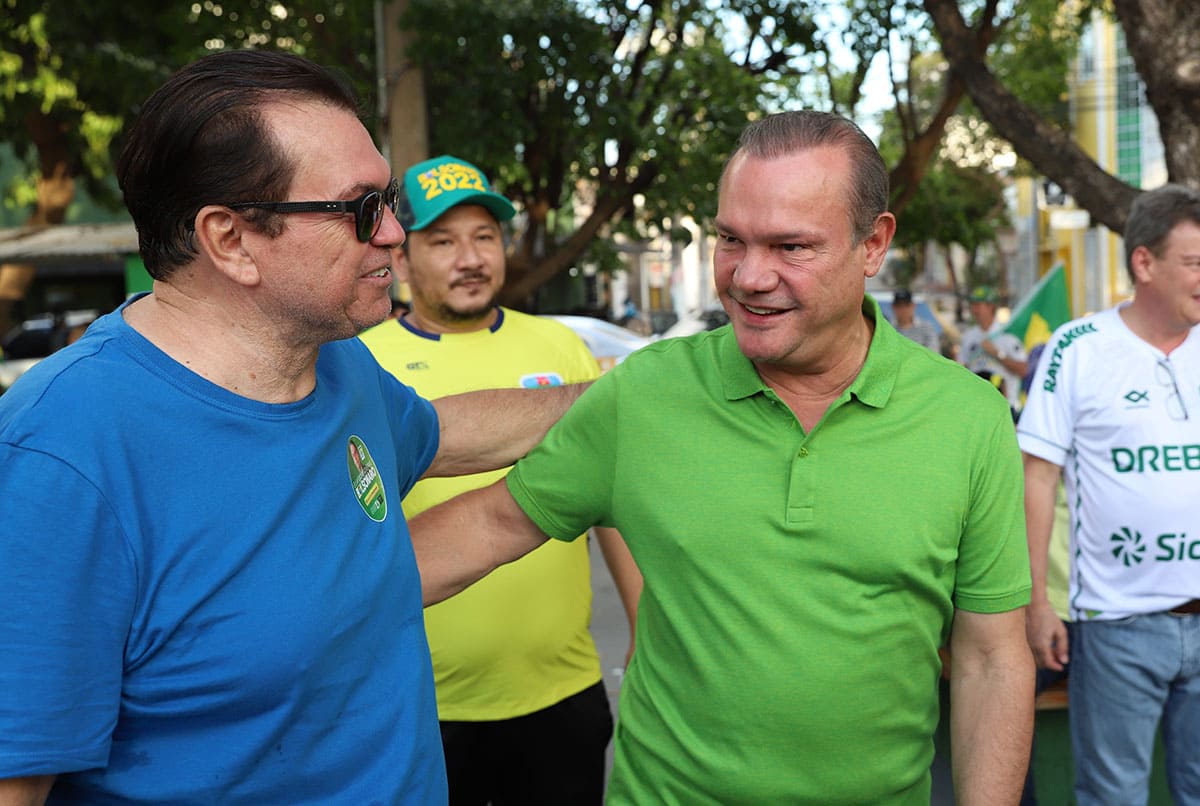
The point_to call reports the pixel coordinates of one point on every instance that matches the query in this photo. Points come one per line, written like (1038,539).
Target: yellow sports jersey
(517,641)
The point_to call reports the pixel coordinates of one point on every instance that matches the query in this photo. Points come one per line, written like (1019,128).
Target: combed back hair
(785,133)
(201,139)
(1154,214)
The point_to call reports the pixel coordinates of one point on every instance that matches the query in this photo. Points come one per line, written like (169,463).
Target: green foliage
(561,93)
(1034,53)
(954,204)
(633,106)
(73,74)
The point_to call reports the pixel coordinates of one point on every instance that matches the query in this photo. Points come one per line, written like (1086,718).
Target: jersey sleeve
(67,594)
(1047,421)
(415,425)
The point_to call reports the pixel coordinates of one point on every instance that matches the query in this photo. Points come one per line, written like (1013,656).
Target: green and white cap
(432,187)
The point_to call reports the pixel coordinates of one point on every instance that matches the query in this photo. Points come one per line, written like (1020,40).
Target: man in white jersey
(523,710)
(1115,408)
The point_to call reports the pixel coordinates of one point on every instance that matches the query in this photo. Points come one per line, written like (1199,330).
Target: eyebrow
(781,236)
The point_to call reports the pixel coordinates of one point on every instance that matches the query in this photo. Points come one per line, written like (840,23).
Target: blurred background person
(904,317)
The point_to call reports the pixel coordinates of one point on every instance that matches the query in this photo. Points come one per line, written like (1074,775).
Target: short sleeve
(1047,421)
(565,484)
(993,563)
(67,592)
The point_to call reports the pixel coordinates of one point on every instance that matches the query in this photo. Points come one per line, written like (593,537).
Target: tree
(1163,37)
(626,110)
(72,74)
(955,204)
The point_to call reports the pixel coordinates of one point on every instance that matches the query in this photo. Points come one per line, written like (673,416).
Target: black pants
(552,756)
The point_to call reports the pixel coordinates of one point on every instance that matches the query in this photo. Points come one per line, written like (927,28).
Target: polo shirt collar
(874,383)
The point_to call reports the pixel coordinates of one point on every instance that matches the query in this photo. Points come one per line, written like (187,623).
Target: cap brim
(495,204)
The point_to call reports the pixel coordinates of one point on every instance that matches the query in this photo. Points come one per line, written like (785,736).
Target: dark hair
(200,139)
(785,133)
(1154,214)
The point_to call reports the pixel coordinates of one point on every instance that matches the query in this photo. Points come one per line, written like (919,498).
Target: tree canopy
(1163,38)
(601,117)
(73,74)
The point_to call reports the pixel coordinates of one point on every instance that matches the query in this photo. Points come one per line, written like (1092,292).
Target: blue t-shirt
(207,598)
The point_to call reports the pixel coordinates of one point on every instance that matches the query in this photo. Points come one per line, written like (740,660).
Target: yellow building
(1113,123)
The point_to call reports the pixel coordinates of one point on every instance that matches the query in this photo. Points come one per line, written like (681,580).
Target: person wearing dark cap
(524,714)
(908,324)
(990,352)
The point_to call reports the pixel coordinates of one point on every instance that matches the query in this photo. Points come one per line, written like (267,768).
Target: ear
(1142,262)
(220,236)
(877,243)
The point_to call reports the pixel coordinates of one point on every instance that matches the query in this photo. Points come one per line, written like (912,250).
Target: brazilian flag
(1043,309)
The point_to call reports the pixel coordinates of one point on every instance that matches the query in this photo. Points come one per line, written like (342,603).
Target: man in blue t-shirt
(208,587)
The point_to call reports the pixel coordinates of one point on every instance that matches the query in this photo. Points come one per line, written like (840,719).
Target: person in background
(1114,409)
(907,323)
(208,590)
(523,709)
(997,356)
(799,575)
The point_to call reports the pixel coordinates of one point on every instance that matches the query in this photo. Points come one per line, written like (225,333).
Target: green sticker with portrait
(365,480)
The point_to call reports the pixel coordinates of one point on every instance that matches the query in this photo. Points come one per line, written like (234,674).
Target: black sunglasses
(367,208)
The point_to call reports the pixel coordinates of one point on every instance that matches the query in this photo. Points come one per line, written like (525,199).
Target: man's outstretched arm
(492,428)
(464,539)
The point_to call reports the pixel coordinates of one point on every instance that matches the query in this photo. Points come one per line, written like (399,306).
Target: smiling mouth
(754,309)
(381,272)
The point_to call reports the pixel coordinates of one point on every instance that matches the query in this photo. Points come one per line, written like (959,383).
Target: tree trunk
(55,192)
(1163,37)
(1051,150)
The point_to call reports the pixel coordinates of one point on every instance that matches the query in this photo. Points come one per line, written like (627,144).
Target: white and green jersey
(1122,419)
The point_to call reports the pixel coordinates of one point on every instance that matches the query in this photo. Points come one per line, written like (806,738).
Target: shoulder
(1084,335)
(386,333)
(542,326)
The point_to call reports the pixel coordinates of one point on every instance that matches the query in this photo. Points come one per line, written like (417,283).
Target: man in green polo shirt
(816,504)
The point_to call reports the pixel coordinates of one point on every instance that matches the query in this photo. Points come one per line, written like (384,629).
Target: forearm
(1016,366)
(30,791)
(493,428)
(1045,633)
(462,540)
(1041,486)
(991,715)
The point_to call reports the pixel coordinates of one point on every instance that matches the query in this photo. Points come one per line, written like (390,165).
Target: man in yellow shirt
(523,710)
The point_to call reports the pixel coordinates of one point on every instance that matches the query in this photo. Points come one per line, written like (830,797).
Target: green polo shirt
(797,586)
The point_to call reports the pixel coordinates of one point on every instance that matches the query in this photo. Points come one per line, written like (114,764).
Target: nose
(469,254)
(754,273)
(390,234)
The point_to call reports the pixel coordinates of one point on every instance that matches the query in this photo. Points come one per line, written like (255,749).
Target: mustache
(469,277)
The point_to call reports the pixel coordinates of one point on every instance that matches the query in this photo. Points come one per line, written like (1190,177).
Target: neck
(215,342)
(1154,324)
(428,322)
(809,393)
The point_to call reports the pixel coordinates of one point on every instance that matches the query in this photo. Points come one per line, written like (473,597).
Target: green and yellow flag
(1043,309)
